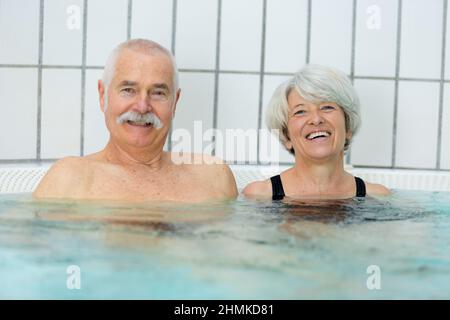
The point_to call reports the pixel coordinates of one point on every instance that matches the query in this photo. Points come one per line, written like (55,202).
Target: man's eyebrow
(127,83)
(161,86)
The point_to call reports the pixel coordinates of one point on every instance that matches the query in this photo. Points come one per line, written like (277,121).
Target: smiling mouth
(318,134)
(139,123)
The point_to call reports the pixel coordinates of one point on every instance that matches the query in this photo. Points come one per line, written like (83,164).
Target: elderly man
(138,96)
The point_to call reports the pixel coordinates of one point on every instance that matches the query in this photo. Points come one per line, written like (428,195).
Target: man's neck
(133,157)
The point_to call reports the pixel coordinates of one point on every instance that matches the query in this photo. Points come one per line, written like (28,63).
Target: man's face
(142,84)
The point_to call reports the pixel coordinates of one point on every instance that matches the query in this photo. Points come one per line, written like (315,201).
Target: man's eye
(159,93)
(127,90)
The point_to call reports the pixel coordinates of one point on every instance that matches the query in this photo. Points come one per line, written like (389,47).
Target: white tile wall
(240,51)
(18,123)
(196,104)
(106,28)
(95,133)
(270,84)
(331,33)
(445,143)
(241,30)
(196,34)
(61,112)
(447,46)
(63,32)
(19,31)
(152,19)
(238,109)
(286,26)
(373,144)
(418,105)
(421,39)
(376,37)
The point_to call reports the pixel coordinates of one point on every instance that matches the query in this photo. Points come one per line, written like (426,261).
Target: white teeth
(139,123)
(317,134)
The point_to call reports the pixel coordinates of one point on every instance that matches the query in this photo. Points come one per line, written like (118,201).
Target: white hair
(140,45)
(315,83)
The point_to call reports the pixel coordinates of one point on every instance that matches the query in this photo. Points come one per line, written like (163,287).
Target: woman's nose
(316,118)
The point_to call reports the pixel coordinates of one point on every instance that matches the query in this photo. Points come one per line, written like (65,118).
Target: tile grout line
(216,71)
(83,77)
(308,32)
(441,86)
(261,78)
(242,72)
(39,84)
(396,89)
(348,157)
(129,17)
(172,49)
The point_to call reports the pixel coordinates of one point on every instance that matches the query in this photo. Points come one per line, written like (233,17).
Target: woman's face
(316,131)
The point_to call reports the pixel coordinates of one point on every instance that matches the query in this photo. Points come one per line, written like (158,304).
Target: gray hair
(141,45)
(315,83)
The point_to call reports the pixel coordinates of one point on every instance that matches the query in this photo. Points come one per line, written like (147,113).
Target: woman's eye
(328,108)
(299,112)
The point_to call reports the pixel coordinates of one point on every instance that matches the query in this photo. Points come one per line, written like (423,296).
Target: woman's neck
(327,177)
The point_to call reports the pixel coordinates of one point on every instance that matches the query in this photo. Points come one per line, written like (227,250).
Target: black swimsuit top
(278,191)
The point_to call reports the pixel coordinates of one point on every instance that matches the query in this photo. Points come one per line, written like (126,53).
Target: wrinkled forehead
(294,98)
(144,68)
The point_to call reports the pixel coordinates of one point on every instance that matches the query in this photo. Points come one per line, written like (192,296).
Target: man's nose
(143,105)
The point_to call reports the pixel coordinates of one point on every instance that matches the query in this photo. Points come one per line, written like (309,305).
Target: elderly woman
(316,113)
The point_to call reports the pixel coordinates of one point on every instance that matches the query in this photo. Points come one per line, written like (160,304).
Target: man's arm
(220,174)
(58,180)
(228,181)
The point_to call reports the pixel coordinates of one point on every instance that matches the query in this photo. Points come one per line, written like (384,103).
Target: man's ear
(177,97)
(101,94)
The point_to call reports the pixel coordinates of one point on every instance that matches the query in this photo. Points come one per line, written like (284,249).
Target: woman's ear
(349,135)
(288,145)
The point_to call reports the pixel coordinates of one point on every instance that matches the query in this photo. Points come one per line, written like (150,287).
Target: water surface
(243,249)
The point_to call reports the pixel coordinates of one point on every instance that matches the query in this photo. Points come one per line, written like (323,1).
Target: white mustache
(149,117)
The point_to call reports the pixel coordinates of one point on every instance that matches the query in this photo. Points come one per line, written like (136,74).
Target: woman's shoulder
(258,188)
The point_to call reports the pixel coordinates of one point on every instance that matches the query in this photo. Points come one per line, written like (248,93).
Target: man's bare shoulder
(377,189)
(221,175)
(258,189)
(61,175)
(213,171)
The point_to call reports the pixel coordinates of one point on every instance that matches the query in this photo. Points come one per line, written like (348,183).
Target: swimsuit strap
(360,187)
(278,191)
(277,188)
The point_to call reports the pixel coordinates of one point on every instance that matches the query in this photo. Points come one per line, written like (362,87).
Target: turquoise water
(243,249)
